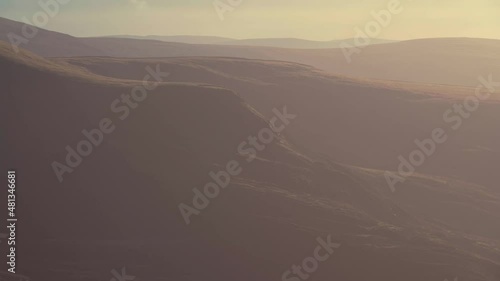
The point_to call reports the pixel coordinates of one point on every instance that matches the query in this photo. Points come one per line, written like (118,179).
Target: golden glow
(308,19)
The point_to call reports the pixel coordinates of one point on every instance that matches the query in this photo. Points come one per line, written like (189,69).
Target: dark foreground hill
(119,207)
(356,122)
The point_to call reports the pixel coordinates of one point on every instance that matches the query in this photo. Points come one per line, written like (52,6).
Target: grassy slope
(120,206)
(359,122)
(451,61)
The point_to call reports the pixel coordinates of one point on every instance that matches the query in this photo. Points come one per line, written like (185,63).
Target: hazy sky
(309,19)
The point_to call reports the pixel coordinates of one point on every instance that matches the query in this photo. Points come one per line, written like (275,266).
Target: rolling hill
(357,122)
(290,43)
(119,207)
(448,61)
(44,42)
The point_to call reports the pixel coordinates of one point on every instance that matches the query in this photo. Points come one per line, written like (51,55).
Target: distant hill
(189,39)
(449,61)
(47,43)
(292,43)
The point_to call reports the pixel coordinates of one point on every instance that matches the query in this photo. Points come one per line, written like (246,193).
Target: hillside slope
(44,42)
(448,61)
(358,122)
(119,207)
(291,43)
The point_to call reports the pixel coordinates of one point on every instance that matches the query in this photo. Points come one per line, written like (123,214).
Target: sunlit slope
(448,61)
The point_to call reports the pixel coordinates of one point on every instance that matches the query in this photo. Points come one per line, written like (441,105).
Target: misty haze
(250,140)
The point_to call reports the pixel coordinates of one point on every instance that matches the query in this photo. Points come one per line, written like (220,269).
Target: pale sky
(307,19)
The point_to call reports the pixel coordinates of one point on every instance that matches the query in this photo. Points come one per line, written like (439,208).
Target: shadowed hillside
(357,122)
(119,207)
